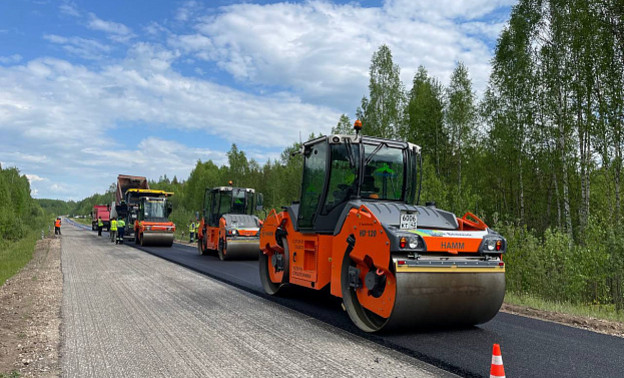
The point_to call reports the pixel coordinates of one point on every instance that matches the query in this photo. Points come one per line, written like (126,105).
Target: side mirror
(169,209)
(259,201)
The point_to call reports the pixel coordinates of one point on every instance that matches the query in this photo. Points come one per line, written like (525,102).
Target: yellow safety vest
(192,227)
(113,226)
(121,223)
(100,223)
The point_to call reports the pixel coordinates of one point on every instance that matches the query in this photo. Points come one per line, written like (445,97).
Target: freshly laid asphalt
(127,313)
(530,347)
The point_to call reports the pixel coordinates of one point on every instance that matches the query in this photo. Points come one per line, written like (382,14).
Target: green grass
(14,255)
(86,221)
(13,374)
(606,312)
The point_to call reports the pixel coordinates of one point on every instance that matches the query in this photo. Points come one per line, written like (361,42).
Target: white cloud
(82,47)
(321,51)
(116,31)
(297,66)
(11,59)
(70,113)
(444,9)
(34,178)
(69,9)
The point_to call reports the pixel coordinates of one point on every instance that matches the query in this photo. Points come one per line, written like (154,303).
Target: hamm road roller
(357,231)
(228,223)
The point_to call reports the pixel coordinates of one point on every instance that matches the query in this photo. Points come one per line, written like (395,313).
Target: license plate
(409,221)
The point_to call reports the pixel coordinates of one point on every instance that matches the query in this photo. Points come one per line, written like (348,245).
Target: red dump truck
(100,211)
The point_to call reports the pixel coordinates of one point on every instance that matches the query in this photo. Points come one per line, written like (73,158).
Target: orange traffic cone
(497,370)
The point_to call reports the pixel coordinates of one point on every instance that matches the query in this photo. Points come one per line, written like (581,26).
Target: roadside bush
(555,269)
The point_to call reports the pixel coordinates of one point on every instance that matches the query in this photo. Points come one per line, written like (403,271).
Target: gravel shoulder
(30,313)
(128,313)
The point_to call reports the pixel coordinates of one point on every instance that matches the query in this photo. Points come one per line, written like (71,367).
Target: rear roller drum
(200,248)
(222,250)
(364,285)
(274,270)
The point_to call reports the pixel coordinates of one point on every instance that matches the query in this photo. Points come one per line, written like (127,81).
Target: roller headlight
(413,243)
(493,244)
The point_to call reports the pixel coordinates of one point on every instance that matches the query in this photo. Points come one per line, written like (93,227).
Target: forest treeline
(19,212)
(538,156)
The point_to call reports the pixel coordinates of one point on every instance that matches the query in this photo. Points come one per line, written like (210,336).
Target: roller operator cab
(228,224)
(394,264)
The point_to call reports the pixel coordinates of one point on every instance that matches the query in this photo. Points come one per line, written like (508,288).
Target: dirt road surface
(128,313)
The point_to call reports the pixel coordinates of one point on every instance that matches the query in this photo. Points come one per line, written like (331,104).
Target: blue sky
(91,89)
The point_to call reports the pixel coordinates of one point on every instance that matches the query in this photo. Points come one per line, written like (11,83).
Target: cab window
(342,176)
(383,173)
(314,166)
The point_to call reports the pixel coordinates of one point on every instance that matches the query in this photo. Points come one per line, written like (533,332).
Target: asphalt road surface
(530,347)
(128,313)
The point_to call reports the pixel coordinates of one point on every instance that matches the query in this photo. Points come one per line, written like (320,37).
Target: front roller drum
(239,249)
(157,239)
(421,299)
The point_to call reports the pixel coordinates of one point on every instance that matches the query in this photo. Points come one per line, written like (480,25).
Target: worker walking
(57,226)
(192,228)
(121,225)
(100,225)
(113,230)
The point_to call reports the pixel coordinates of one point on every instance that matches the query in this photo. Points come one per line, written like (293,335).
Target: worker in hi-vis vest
(100,226)
(192,228)
(121,228)
(57,226)
(113,230)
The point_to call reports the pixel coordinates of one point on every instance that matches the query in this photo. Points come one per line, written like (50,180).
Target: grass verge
(606,312)
(14,255)
(86,221)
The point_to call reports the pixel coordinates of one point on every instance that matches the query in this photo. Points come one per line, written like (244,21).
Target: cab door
(312,184)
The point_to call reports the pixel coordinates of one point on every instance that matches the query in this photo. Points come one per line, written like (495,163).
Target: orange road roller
(394,264)
(228,224)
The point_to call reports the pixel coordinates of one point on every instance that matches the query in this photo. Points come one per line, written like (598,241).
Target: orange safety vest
(57,223)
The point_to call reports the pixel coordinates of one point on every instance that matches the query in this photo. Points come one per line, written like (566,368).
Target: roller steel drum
(446,299)
(441,296)
(241,249)
(158,239)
